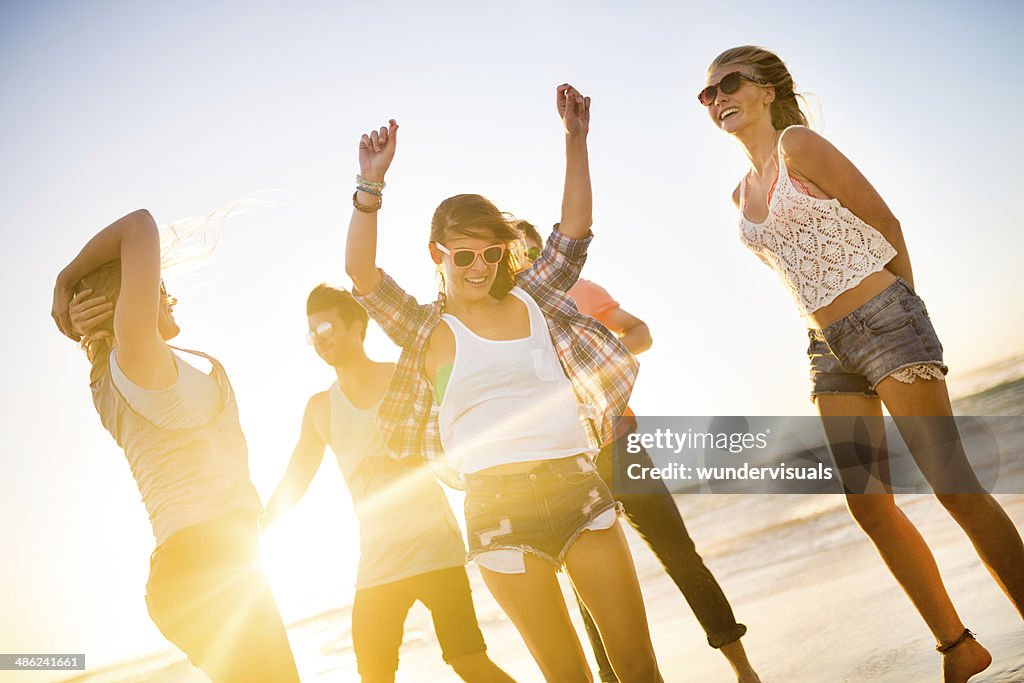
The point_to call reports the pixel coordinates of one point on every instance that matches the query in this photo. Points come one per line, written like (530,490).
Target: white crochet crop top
(818,247)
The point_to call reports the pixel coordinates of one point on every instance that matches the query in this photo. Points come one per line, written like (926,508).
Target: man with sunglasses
(410,545)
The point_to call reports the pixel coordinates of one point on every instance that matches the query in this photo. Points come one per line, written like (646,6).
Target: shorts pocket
(578,478)
(477,507)
(818,349)
(891,317)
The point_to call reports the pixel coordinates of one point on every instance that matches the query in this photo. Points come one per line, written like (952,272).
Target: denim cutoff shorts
(541,512)
(889,333)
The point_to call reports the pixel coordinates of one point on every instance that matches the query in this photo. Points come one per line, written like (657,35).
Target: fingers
(64,325)
(84,314)
(572,95)
(378,139)
(571,100)
(59,312)
(80,304)
(560,98)
(83,321)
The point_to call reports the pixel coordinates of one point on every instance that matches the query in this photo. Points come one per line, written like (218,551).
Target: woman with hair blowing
(810,215)
(179,429)
(503,381)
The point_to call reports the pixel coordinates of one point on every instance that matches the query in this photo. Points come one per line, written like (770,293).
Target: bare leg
(657,520)
(534,603)
(895,537)
(604,667)
(934,441)
(602,571)
(741,666)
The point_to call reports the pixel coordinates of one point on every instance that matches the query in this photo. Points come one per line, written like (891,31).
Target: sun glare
(310,557)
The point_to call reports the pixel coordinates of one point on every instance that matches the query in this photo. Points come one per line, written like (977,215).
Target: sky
(183,108)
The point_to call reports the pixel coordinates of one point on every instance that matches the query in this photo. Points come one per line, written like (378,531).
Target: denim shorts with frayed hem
(541,512)
(889,333)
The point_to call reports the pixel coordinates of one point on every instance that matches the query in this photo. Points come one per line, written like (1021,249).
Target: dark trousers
(379,612)
(656,518)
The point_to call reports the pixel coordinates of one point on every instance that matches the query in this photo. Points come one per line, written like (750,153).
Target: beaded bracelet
(366,208)
(369,190)
(375,184)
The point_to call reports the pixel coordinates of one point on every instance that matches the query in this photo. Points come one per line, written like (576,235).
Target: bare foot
(737,657)
(963,661)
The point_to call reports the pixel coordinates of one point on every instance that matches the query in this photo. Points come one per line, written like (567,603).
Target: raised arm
(577,201)
(131,233)
(376,150)
(814,158)
(305,461)
(134,241)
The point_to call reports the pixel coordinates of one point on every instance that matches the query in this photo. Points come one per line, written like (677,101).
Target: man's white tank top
(406,526)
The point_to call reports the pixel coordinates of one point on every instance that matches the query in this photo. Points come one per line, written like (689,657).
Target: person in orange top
(655,517)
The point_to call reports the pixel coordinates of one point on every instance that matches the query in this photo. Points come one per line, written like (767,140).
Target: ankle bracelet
(945,648)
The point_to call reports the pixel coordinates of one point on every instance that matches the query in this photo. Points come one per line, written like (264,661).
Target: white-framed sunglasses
(322,331)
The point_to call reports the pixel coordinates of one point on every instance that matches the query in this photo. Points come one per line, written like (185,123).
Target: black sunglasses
(729,84)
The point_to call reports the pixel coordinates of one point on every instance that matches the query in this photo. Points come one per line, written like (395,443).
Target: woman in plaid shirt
(509,391)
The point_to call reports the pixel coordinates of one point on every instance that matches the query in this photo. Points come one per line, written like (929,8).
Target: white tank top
(406,526)
(508,401)
(187,475)
(193,399)
(818,247)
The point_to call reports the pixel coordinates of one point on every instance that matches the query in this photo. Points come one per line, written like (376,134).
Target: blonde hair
(104,281)
(786,109)
(472,215)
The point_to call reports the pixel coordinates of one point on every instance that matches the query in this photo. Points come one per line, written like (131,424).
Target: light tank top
(186,476)
(508,401)
(192,400)
(818,247)
(406,526)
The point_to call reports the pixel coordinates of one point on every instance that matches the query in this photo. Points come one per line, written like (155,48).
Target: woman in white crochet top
(809,214)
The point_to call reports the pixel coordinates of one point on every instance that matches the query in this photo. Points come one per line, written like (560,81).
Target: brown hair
(767,66)
(530,232)
(471,215)
(324,297)
(103,281)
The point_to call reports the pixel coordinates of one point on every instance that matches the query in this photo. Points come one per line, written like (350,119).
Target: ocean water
(819,604)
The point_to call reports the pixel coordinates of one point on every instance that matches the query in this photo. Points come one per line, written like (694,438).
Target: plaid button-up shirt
(601,370)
